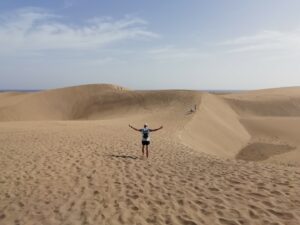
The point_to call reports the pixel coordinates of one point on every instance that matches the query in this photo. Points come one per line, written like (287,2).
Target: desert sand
(67,156)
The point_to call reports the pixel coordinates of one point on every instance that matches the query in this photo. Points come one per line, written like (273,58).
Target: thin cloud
(174,53)
(34,29)
(68,3)
(265,41)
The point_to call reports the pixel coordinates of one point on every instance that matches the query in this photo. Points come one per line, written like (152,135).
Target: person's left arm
(152,130)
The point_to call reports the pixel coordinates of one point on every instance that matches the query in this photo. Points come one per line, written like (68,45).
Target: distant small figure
(145,136)
(193,109)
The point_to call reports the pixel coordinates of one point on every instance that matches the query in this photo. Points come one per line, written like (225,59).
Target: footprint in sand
(268,203)
(253,215)
(214,189)
(180,202)
(282,215)
(135,208)
(228,222)
(2,216)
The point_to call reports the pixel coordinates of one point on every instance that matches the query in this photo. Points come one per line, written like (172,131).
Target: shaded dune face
(252,126)
(262,151)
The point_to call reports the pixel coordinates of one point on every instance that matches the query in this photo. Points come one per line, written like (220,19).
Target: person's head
(145,125)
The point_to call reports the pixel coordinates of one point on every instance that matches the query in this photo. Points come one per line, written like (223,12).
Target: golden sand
(67,156)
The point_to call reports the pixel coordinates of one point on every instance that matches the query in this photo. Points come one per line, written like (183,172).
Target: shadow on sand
(124,156)
(191,111)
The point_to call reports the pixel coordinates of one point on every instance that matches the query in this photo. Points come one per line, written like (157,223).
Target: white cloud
(265,41)
(34,29)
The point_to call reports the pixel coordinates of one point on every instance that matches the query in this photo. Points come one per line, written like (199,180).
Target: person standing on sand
(145,136)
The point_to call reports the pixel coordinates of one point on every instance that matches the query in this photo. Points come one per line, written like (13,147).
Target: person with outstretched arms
(145,136)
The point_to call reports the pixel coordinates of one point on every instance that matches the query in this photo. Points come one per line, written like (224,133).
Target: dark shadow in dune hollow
(123,156)
(263,151)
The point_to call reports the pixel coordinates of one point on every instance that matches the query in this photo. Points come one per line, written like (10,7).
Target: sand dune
(215,128)
(87,102)
(223,124)
(272,117)
(270,102)
(67,156)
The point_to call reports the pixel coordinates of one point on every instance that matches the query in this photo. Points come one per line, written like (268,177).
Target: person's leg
(147,151)
(143,149)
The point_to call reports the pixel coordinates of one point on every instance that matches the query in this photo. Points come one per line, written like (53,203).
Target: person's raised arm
(133,128)
(161,127)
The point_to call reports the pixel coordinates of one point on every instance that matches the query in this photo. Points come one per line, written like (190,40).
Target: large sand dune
(67,156)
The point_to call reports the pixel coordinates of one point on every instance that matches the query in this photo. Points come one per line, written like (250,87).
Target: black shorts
(145,142)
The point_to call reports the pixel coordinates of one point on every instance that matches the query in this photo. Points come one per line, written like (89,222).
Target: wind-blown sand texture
(67,156)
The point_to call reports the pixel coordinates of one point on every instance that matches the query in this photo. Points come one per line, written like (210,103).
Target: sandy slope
(67,156)
(215,128)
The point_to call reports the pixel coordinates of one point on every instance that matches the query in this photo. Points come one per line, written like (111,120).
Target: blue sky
(143,44)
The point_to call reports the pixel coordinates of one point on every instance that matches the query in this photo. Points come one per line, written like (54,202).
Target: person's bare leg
(147,151)
(143,150)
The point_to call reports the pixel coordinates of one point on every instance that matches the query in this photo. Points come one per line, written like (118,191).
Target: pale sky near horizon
(142,44)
